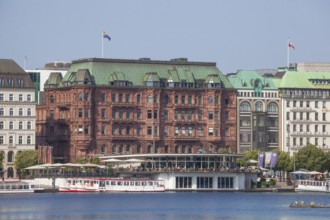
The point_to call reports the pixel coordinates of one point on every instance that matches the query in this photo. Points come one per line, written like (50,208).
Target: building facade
(114,106)
(306,110)
(258,111)
(17,114)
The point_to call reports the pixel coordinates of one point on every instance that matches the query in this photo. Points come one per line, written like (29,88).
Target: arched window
(28,140)
(52,99)
(20,112)
(149,149)
(11,140)
(11,125)
(20,125)
(114,149)
(11,111)
(272,107)
(29,112)
(10,156)
(244,107)
(28,127)
(258,106)
(20,140)
(166,99)
(1,111)
(210,99)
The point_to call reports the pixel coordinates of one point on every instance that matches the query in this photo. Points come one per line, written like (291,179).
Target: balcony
(186,138)
(124,104)
(64,106)
(124,137)
(302,109)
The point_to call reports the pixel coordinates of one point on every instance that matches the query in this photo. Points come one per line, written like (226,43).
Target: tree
(253,154)
(26,159)
(312,158)
(283,161)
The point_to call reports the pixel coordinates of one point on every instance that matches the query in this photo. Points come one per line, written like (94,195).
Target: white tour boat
(111,185)
(18,187)
(313,186)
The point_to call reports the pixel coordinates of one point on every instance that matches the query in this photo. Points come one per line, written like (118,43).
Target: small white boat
(82,185)
(313,186)
(19,187)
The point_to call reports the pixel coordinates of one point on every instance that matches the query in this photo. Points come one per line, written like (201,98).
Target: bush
(272,182)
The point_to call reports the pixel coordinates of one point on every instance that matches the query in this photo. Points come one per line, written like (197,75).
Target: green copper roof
(104,71)
(306,80)
(244,79)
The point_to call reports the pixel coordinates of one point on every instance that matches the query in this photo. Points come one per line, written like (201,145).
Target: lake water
(161,206)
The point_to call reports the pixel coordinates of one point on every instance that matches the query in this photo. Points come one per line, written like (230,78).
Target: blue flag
(105,35)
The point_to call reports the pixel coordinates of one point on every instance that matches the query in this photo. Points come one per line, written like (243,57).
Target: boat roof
(155,155)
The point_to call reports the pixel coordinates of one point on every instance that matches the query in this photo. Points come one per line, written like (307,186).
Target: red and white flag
(291,45)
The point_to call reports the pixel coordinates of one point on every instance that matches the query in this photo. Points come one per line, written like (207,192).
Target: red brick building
(114,106)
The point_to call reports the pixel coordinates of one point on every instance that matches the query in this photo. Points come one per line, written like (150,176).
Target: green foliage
(2,156)
(253,154)
(95,160)
(81,160)
(26,159)
(312,158)
(272,182)
(283,161)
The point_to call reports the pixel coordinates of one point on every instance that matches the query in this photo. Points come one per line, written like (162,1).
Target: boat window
(20,187)
(8,187)
(26,186)
(1,187)
(119,183)
(144,183)
(113,183)
(107,183)
(126,183)
(137,183)
(156,183)
(132,183)
(151,183)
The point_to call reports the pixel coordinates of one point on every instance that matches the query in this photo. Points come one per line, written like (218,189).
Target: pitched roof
(244,79)
(104,71)
(306,80)
(10,66)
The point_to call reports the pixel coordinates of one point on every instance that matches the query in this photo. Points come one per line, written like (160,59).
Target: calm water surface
(157,206)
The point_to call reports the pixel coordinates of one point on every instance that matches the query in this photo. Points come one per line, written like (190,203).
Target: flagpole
(288,53)
(102,44)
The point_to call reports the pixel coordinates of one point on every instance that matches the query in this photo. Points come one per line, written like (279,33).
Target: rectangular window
(1,97)
(288,104)
(316,104)
(138,130)
(51,114)
(324,118)
(86,129)
(103,113)
(200,115)
(120,99)
(80,113)
(29,98)
(11,97)
(204,182)
(210,115)
(86,113)
(288,116)
(103,131)
(149,130)
(103,97)
(20,97)
(176,131)
(225,182)
(113,97)
(316,116)
(183,182)
(127,97)
(200,131)
(166,131)
(210,131)
(155,114)
(149,114)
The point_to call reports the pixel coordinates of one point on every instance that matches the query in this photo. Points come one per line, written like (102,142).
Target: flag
(261,159)
(273,160)
(291,45)
(106,36)
(268,157)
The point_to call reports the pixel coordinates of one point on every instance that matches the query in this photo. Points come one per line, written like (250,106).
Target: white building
(306,110)
(17,114)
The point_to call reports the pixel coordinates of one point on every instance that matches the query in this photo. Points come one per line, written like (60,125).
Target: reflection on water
(161,206)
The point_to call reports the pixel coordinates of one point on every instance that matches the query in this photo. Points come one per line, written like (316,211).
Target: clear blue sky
(236,34)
